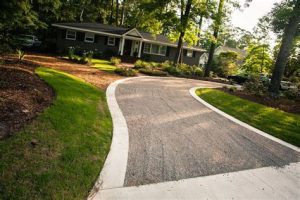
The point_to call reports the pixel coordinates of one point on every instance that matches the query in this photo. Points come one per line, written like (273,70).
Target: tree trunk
(285,48)
(117,12)
(123,12)
(216,32)
(111,12)
(200,26)
(184,23)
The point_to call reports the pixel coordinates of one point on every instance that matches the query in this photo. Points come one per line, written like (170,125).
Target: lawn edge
(114,169)
(237,121)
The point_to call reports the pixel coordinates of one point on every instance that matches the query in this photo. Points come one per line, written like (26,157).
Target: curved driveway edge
(113,172)
(193,93)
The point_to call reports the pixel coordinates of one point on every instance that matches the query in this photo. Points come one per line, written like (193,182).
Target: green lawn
(73,135)
(283,125)
(103,65)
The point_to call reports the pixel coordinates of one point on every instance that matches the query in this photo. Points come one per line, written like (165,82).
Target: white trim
(134,29)
(111,44)
(89,41)
(75,34)
(251,128)
(85,30)
(159,47)
(189,51)
(128,37)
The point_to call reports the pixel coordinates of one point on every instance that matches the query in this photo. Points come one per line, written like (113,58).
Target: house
(241,54)
(124,42)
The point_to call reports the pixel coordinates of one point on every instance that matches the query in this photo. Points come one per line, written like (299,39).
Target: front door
(127,48)
(135,48)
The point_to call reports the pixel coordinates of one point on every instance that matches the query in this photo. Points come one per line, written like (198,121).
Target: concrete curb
(113,172)
(193,93)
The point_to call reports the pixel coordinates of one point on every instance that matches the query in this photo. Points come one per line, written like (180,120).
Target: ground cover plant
(283,125)
(59,155)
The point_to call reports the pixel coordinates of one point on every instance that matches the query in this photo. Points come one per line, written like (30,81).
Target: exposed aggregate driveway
(172,136)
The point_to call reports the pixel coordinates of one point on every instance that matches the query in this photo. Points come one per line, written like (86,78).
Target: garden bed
(23,95)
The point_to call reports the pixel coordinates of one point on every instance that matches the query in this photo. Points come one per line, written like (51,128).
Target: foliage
(125,71)
(258,59)
(292,93)
(115,61)
(71,53)
(139,64)
(73,137)
(153,72)
(183,70)
(21,54)
(280,124)
(227,63)
(256,86)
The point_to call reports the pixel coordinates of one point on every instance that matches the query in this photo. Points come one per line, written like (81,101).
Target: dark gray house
(125,42)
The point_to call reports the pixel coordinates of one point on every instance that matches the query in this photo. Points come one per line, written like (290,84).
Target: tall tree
(117,12)
(217,24)
(123,12)
(183,25)
(289,34)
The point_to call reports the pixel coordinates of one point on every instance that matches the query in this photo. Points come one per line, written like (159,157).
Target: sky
(248,18)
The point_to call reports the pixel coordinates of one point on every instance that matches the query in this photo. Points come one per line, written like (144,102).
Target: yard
(283,125)
(60,154)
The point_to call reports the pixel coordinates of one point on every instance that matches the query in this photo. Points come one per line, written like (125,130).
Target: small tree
(227,63)
(258,59)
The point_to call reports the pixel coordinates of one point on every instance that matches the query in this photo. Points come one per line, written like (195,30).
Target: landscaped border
(255,130)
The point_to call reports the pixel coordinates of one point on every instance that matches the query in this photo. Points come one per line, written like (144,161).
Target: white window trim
(89,41)
(111,44)
(69,34)
(158,54)
(189,51)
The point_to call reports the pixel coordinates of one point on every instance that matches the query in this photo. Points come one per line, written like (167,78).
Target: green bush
(115,61)
(165,64)
(125,71)
(71,53)
(172,70)
(21,54)
(256,86)
(139,64)
(291,94)
(153,72)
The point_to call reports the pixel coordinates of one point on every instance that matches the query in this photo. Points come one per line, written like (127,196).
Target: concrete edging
(113,172)
(193,93)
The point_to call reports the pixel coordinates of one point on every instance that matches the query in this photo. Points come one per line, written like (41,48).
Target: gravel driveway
(172,136)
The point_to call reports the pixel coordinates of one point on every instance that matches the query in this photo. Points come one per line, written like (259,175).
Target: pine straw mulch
(23,95)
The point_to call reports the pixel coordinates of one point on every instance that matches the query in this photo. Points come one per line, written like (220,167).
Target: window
(71,35)
(155,49)
(111,41)
(89,37)
(189,53)
(147,47)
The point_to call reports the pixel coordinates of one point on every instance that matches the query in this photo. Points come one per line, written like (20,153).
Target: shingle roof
(97,27)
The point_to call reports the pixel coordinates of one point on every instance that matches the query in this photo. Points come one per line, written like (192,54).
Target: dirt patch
(94,76)
(23,95)
(287,105)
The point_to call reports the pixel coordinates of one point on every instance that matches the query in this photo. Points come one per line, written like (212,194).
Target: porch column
(140,49)
(121,46)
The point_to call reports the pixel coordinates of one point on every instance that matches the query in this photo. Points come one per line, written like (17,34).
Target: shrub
(165,64)
(172,70)
(198,72)
(89,56)
(153,72)
(291,94)
(254,85)
(294,79)
(71,53)
(115,61)
(97,54)
(125,71)
(21,54)
(139,64)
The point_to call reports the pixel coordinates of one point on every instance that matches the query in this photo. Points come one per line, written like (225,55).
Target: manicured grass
(73,138)
(283,125)
(103,65)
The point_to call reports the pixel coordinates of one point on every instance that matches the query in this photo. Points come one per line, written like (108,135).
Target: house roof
(241,52)
(120,31)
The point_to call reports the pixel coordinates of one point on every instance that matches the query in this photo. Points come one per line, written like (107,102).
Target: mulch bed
(23,95)
(287,105)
